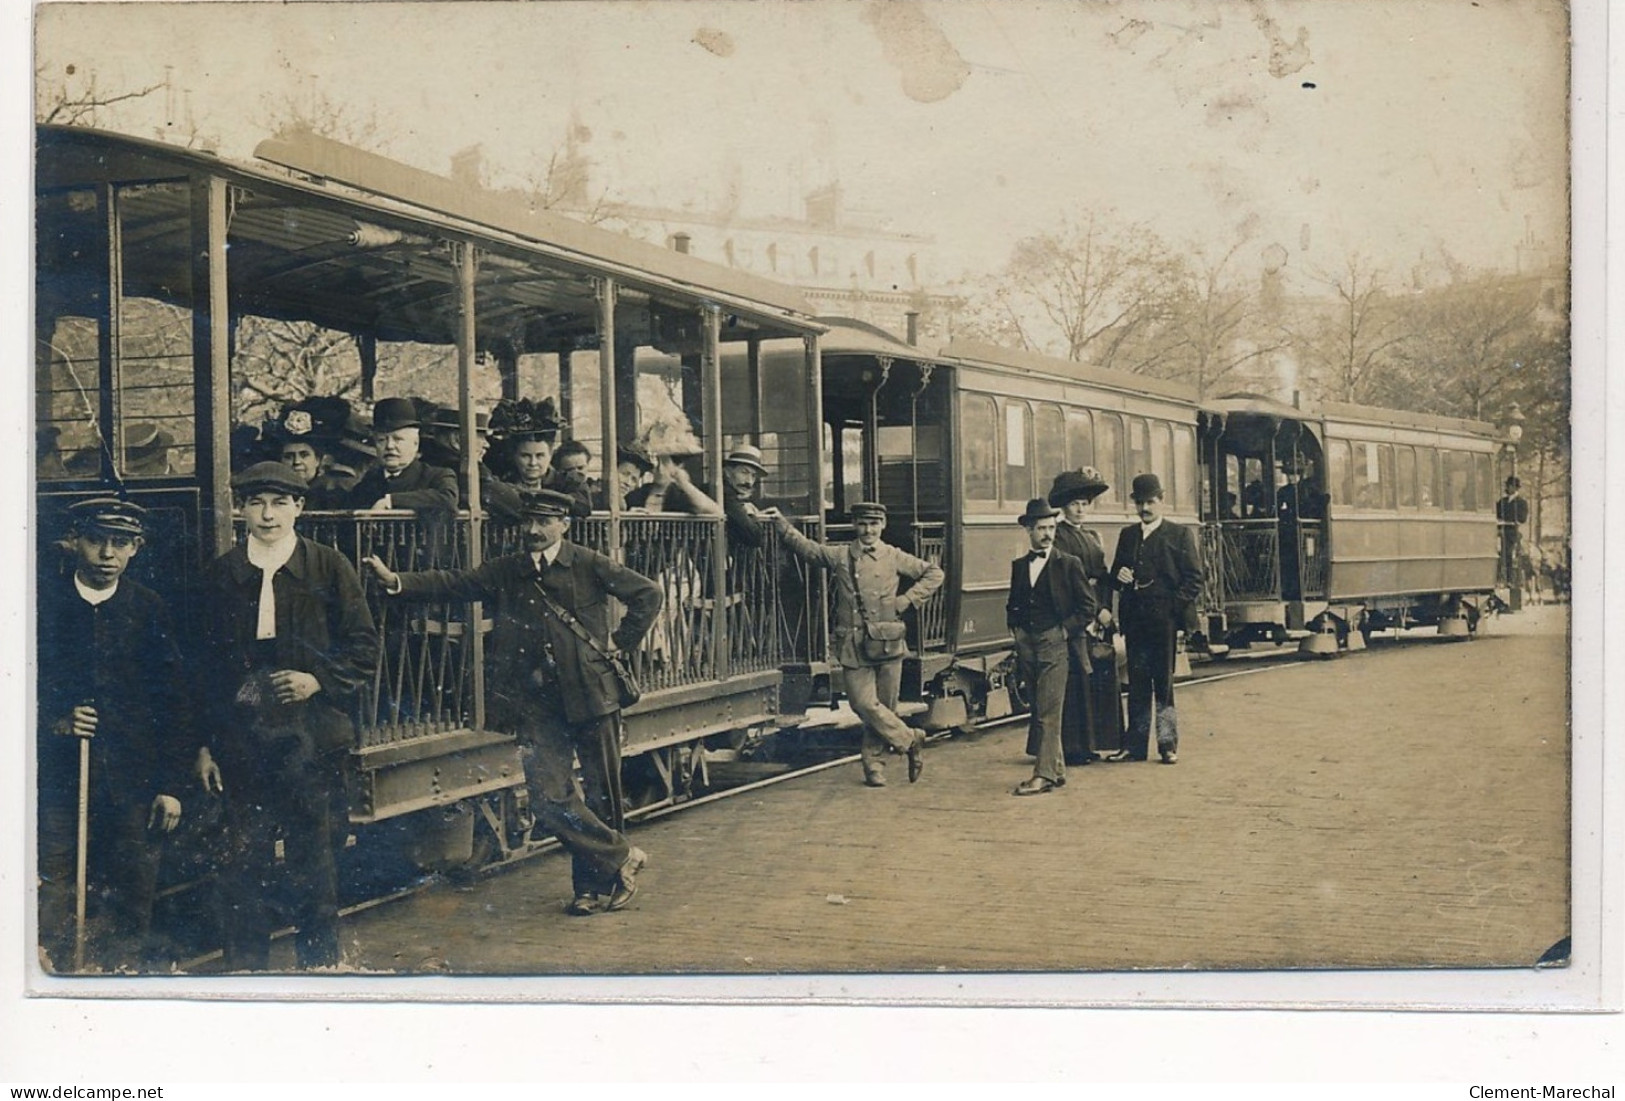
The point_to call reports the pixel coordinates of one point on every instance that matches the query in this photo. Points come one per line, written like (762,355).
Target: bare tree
(74,98)
(1348,342)
(1214,330)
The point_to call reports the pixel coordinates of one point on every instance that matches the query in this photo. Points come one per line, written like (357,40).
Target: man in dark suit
(556,689)
(110,680)
(401,479)
(287,645)
(1158,571)
(444,448)
(1049,601)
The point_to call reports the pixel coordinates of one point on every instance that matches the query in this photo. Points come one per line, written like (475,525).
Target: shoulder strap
(857,590)
(569,620)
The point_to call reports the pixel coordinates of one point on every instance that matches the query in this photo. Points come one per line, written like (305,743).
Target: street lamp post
(1512,505)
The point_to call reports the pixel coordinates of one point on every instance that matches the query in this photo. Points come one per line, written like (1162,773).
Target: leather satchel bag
(881,642)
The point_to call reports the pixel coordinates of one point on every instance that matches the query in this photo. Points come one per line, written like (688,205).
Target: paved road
(1403,807)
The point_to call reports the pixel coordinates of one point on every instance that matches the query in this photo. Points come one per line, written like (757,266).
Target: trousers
(1043,660)
(873,690)
(588,817)
(1151,645)
(122,878)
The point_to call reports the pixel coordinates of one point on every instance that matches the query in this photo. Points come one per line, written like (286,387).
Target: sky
(1392,128)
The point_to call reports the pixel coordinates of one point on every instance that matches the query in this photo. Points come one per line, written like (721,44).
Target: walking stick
(79,870)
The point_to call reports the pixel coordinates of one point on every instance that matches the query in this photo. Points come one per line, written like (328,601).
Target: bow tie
(1037,556)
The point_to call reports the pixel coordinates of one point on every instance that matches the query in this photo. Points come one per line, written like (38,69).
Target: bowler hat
(448,417)
(275,477)
(146,449)
(869,510)
(1037,509)
(390,414)
(107,514)
(546,503)
(1074,485)
(746,455)
(1145,487)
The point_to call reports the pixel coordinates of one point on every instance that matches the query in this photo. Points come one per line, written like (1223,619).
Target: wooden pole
(607,465)
(81,862)
(467,261)
(711,416)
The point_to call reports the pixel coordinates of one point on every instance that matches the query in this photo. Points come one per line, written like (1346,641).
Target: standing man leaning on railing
(869,631)
(553,680)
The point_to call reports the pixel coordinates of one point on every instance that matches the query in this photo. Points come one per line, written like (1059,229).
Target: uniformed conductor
(557,689)
(288,644)
(109,675)
(1157,569)
(868,632)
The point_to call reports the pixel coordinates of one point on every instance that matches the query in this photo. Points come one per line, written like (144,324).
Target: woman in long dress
(1092,722)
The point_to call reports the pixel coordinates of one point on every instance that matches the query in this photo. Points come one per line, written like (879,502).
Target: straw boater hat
(1037,509)
(746,455)
(1073,485)
(1146,486)
(146,449)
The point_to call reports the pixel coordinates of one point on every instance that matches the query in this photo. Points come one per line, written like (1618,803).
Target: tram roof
(1372,414)
(978,353)
(847,336)
(322,167)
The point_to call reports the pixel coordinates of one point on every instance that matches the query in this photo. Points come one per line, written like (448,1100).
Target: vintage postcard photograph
(856,497)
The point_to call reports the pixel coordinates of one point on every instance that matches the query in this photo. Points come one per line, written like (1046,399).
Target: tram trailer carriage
(179,291)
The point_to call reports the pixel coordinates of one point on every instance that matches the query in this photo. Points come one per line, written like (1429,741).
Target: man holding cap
(110,679)
(401,479)
(553,683)
(1050,602)
(869,630)
(1158,571)
(287,646)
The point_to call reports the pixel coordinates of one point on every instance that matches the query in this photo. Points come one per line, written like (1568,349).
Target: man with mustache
(1158,572)
(402,479)
(1050,602)
(554,688)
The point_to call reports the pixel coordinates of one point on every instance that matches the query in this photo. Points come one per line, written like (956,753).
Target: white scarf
(94,597)
(269,557)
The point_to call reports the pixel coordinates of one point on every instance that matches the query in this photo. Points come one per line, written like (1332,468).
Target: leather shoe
(875,780)
(1122,755)
(626,881)
(582,905)
(1169,757)
(916,758)
(1038,785)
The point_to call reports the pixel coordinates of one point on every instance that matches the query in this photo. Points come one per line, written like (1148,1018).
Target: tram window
(1483,468)
(980,448)
(1427,477)
(1018,471)
(1405,475)
(1162,460)
(1108,454)
(1385,474)
(1080,439)
(1367,480)
(1139,447)
(157,414)
(784,420)
(1049,442)
(1458,478)
(1340,478)
(1185,466)
(1230,490)
(70,299)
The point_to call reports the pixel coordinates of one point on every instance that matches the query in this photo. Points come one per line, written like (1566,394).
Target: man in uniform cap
(288,646)
(1050,602)
(868,633)
(401,479)
(110,678)
(1158,571)
(553,682)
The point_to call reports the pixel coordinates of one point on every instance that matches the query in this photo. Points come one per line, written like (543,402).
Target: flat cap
(276,477)
(869,510)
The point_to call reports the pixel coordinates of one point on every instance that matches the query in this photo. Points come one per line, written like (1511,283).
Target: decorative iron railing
(1313,558)
(1249,554)
(930,543)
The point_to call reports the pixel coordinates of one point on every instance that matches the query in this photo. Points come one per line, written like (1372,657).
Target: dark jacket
(324,628)
(526,635)
(420,487)
(744,530)
(121,658)
(1063,597)
(1167,576)
(1084,545)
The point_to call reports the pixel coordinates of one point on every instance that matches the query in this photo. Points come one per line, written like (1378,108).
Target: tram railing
(930,543)
(1214,587)
(804,602)
(1313,558)
(1249,554)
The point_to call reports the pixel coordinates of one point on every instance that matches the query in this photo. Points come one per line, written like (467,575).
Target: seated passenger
(304,433)
(632,465)
(526,431)
(498,498)
(401,479)
(148,451)
(568,475)
(349,455)
(1255,500)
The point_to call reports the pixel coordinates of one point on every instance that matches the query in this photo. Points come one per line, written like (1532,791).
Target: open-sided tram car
(171,283)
